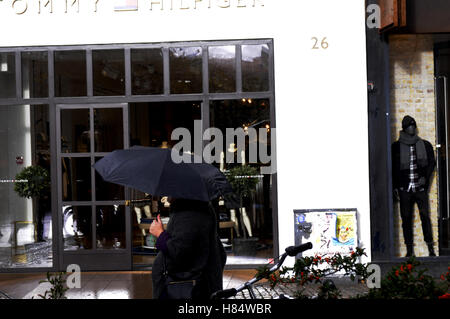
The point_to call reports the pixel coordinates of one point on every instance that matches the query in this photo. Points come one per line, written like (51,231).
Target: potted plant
(243,179)
(34,182)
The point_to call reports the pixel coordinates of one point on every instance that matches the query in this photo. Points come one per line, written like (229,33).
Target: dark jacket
(400,178)
(193,246)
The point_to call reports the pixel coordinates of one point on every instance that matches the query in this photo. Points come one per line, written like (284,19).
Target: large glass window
(7,75)
(70,73)
(34,74)
(151,124)
(175,85)
(185,70)
(222,69)
(75,133)
(255,68)
(108,72)
(25,196)
(147,71)
(77,227)
(110,223)
(252,117)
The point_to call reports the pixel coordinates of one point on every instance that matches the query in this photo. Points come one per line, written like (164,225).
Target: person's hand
(156,228)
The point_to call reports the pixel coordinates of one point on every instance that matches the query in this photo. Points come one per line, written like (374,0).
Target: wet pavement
(138,285)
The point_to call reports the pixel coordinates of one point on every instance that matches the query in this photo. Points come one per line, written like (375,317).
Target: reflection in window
(111,227)
(108,129)
(7,75)
(151,124)
(222,69)
(25,223)
(185,70)
(75,133)
(76,178)
(147,71)
(255,68)
(247,114)
(77,227)
(70,73)
(34,74)
(105,190)
(109,72)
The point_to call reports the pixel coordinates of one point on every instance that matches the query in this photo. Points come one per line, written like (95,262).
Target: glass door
(442,74)
(94,222)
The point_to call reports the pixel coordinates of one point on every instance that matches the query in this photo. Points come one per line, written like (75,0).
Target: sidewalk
(138,285)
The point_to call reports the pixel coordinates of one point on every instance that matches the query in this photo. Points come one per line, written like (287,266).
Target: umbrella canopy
(152,170)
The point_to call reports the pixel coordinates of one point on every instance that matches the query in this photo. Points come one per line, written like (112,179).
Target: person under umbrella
(190,248)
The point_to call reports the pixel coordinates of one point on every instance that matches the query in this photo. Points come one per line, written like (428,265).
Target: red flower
(409,266)
(401,268)
(442,277)
(446,296)
(396,273)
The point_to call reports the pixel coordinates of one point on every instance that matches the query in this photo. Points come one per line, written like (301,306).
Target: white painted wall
(321,99)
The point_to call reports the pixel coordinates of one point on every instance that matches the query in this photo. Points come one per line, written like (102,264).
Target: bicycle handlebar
(289,251)
(221,294)
(295,250)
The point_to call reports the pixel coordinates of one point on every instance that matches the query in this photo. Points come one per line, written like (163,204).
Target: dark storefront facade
(65,107)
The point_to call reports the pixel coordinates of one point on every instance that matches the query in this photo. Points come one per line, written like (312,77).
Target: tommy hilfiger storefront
(73,95)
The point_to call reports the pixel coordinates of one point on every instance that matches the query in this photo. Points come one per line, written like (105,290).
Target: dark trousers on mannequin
(407,200)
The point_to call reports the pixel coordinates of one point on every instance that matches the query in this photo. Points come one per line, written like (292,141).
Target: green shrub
(32,181)
(409,281)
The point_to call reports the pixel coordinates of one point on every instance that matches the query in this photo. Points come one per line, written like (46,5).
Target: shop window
(108,129)
(25,206)
(77,227)
(34,74)
(110,223)
(253,117)
(185,70)
(76,178)
(151,124)
(147,71)
(7,75)
(105,191)
(108,72)
(70,73)
(222,69)
(255,68)
(75,133)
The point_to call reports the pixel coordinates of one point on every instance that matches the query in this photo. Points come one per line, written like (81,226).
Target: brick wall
(412,93)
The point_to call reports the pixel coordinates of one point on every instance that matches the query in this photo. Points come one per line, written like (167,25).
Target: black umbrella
(152,170)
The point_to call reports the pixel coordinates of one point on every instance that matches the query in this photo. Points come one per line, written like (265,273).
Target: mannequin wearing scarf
(413,163)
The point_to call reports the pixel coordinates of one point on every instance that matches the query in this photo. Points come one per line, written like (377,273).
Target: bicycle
(291,251)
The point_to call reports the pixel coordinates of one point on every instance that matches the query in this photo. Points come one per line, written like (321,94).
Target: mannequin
(413,163)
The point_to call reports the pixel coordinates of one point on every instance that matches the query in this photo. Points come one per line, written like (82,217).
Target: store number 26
(319,44)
